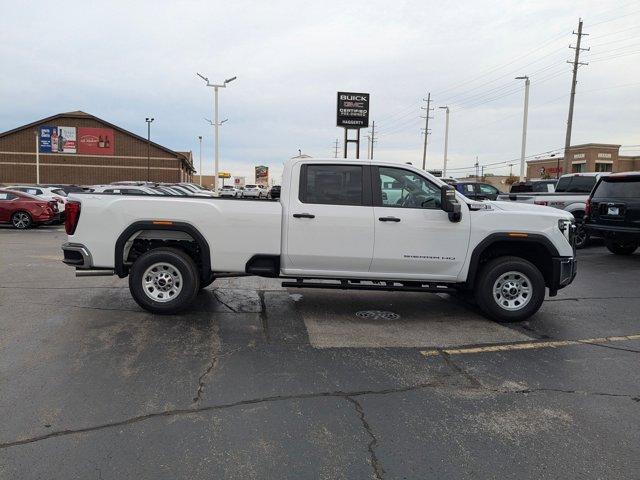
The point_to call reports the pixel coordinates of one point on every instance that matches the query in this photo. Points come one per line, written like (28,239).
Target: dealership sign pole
(352,114)
(37,158)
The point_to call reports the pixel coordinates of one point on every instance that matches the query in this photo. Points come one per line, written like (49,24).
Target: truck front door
(329,221)
(414,237)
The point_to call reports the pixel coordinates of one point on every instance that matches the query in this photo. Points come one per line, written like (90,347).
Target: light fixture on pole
(446,140)
(200,168)
(524,124)
(148,120)
(215,123)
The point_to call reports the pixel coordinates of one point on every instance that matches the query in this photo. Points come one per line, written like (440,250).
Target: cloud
(123,61)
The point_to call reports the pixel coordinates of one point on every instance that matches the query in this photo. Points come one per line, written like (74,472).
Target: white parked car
(254,191)
(47,193)
(124,189)
(229,191)
(340,224)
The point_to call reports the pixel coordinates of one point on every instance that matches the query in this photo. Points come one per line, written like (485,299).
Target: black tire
(208,282)
(583,237)
(530,278)
(21,220)
(179,262)
(621,248)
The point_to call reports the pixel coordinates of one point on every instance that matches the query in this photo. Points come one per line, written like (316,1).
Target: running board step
(371,285)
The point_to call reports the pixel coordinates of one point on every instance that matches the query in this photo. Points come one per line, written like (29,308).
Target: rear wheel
(621,248)
(582,235)
(164,280)
(510,289)
(21,220)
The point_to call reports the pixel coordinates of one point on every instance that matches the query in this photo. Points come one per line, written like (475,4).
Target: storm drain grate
(377,315)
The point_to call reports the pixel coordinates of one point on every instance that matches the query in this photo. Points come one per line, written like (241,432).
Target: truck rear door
(329,220)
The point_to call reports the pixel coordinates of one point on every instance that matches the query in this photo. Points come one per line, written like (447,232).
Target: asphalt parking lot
(257,381)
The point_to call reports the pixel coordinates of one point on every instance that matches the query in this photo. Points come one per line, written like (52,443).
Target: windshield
(618,188)
(59,191)
(576,184)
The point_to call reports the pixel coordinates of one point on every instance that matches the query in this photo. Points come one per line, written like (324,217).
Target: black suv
(613,212)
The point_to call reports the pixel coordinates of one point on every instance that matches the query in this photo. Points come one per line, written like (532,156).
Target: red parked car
(23,210)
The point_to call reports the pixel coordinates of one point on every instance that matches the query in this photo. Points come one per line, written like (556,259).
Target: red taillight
(541,202)
(72,212)
(587,207)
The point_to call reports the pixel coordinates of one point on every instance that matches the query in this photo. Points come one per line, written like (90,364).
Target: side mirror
(449,203)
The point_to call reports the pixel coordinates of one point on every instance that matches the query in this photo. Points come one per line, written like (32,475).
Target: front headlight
(568,229)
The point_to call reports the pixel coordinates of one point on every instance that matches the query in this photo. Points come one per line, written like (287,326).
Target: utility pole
(335,155)
(524,124)
(373,137)
(476,165)
(446,141)
(200,167)
(576,63)
(148,120)
(368,147)
(426,129)
(216,124)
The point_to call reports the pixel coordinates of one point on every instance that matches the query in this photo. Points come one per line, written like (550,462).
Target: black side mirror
(449,203)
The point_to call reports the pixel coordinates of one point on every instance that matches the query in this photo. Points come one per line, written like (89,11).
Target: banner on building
(67,142)
(262,175)
(96,141)
(44,139)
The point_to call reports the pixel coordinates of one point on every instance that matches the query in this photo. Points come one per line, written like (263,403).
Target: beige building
(589,157)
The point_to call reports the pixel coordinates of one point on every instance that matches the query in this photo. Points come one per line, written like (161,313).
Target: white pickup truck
(345,224)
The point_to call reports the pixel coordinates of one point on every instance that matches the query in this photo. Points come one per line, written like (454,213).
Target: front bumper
(564,270)
(77,255)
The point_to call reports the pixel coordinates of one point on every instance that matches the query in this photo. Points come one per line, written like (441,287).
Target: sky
(123,61)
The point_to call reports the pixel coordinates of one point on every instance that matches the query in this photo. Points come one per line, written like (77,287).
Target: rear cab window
(332,184)
(576,184)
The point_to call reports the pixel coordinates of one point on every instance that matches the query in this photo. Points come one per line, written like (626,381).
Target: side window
(406,189)
(332,184)
(7,196)
(487,189)
(34,191)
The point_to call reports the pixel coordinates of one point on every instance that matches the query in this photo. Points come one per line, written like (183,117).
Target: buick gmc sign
(353,110)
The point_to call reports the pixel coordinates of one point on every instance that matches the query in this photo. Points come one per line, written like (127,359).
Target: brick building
(589,157)
(79,148)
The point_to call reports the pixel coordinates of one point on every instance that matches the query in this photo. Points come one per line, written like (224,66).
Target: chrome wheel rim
(512,291)
(162,282)
(21,220)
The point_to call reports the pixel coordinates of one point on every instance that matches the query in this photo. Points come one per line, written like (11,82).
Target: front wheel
(164,280)
(510,289)
(621,248)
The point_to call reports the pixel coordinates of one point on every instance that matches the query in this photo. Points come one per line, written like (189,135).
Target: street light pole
(200,167)
(148,120)
(446,140)
(524,124)
(216,124)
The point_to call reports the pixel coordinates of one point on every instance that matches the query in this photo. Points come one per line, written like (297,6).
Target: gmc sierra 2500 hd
(342,224)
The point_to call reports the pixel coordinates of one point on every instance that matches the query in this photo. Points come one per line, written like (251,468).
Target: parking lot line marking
(505,347)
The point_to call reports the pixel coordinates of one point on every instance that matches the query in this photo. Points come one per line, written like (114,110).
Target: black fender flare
(474,263)
(205,252)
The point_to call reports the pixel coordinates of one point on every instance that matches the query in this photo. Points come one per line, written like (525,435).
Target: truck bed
(250,225)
